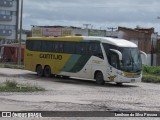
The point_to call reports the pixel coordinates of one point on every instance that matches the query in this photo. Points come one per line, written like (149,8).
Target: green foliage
(152,70)
(150,78)
(12,66)
(13,86)
(151,74)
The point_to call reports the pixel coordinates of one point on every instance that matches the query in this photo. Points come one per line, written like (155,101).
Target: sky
(100,14)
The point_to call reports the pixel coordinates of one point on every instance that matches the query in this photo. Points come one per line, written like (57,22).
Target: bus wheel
(47,71)
(118,83)
(65,77)
(99,78)
(39,70)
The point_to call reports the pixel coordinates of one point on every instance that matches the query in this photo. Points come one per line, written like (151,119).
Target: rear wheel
(119,84)
(65,77)
(99,78)
(39,70)
(47,71)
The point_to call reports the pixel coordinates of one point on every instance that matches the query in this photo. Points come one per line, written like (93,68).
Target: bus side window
(81,48)
(113,60)
(58,47)
(69,47)
(95,49)
(36,45)
(47,46)
(92,48)
(29,44)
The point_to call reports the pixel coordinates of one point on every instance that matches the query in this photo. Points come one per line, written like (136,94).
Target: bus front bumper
(124,79)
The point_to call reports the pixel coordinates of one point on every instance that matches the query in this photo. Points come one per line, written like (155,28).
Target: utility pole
(111,28)
(87,25)
(17,21)
(20,34)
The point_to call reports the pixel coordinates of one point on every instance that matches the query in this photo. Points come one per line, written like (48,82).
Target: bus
(102,59)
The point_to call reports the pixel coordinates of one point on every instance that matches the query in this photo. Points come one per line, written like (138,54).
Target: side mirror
(118,52)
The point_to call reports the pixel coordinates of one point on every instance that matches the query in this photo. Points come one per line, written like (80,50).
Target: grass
(151,74)
(13,86)
(151,78)
(15,66)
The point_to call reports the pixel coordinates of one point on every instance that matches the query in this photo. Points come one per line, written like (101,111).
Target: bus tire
(47,71)
(65,77)
(118,83)
(39,70)
(99,78)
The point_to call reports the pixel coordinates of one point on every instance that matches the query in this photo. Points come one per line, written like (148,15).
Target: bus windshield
(131,60)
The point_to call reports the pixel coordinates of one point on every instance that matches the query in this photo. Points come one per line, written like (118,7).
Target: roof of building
(139,29)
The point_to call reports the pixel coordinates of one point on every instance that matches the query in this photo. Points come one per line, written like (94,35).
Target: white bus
(103,59)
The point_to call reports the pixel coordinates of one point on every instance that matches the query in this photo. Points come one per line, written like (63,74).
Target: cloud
(96,12)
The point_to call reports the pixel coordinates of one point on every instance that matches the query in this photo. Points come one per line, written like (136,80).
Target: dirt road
(77,95)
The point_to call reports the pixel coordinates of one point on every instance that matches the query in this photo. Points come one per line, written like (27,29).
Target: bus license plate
(132,80)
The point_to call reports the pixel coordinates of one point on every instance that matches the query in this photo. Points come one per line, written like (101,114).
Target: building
(8,20)
(39,31)
(146,40)
(9,53)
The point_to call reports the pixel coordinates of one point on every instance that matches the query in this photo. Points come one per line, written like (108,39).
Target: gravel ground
(78,95)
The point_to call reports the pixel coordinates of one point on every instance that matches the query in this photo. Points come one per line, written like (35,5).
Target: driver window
(113,60)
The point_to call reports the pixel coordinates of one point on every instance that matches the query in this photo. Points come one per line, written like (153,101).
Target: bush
(151,78)
(151,74)
(11,84)
(151,70)
(14,66)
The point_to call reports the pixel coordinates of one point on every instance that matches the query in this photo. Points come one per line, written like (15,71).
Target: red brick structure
(142,35)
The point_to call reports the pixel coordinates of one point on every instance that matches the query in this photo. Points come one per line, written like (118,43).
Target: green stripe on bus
(76,63)
(71,62)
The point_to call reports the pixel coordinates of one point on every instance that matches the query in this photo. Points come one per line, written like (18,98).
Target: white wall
(112,33)
(154,38)
(83,32)
(148,60)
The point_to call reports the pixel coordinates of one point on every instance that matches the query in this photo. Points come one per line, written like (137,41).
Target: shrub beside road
(13,86)
(15,66)
(151,74)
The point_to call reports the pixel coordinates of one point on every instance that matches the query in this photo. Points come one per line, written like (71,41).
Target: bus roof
(114,41)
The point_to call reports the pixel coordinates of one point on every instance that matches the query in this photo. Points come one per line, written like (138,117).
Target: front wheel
(65,77)
(119,84)
(99,78)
